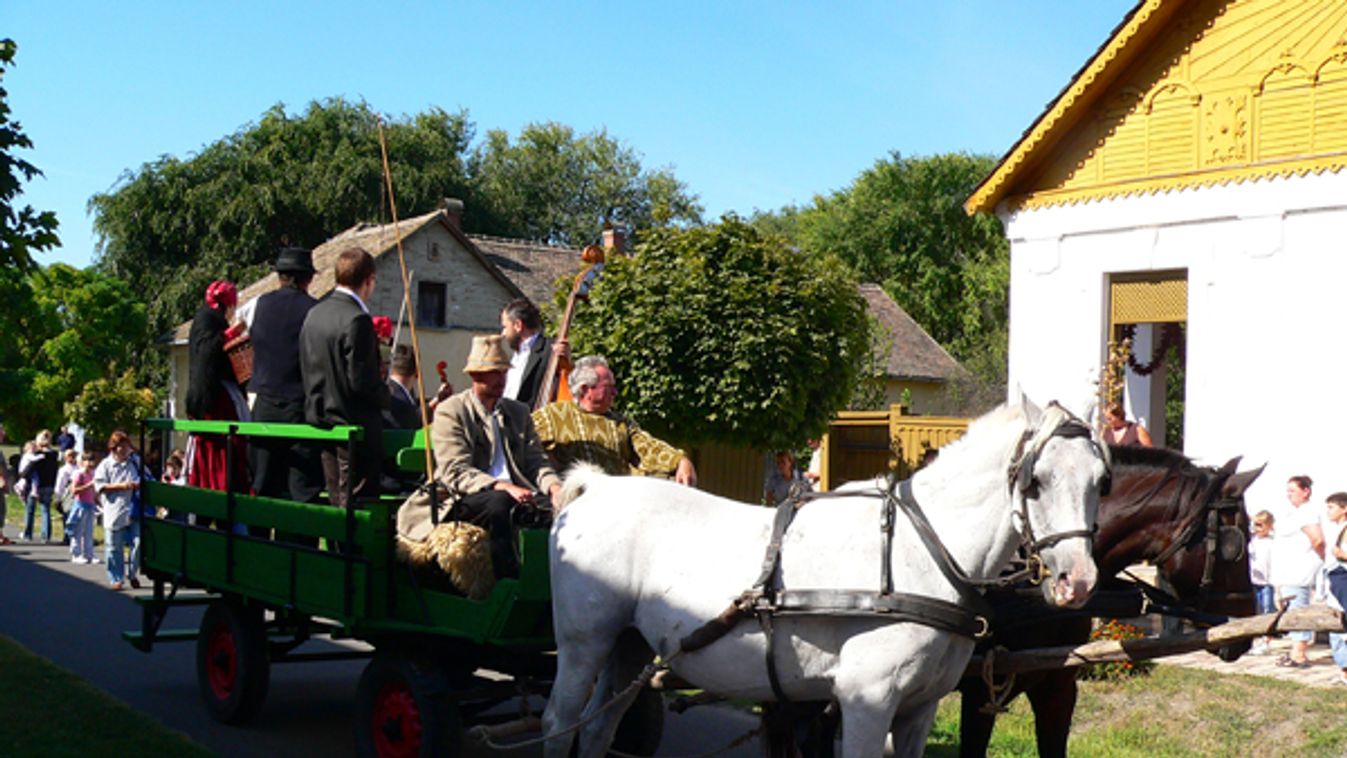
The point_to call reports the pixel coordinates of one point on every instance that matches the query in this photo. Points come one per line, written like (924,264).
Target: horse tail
(578,478)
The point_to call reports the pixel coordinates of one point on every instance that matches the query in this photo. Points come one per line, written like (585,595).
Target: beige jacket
(461,437)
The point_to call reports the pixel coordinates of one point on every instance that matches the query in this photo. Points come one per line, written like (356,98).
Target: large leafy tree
(175,224)
(69,328)
(901,223)
(23,231)
(721,333)
(552,185)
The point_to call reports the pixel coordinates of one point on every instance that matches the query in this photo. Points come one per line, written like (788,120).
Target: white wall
(1266,269)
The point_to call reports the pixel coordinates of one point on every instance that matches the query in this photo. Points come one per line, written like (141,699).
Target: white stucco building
(1192,174)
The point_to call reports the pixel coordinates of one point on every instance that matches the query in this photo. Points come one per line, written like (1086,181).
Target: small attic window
(434,251)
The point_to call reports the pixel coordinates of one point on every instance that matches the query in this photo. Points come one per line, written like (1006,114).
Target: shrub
(1113,629)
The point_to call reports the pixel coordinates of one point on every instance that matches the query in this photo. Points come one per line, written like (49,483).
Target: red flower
(383,328)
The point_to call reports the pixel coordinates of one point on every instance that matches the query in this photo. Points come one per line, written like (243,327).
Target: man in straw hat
(487,452)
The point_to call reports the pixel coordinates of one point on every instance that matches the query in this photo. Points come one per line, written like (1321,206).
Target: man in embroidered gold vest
(588,430)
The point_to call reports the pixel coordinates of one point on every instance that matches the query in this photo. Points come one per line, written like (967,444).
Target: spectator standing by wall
(115,480)
(1297,555)
(43,467)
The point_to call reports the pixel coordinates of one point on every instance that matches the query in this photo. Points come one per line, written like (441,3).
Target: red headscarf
(221,294)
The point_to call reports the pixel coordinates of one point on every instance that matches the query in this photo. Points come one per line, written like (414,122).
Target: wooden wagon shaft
(1315,619)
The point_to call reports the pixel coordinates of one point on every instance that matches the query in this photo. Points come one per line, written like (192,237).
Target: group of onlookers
(51,474)
(1297,556)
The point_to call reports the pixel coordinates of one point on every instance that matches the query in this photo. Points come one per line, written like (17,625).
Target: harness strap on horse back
(765,601)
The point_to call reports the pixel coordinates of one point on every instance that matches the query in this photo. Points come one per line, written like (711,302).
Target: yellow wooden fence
(858,445)
(864,444)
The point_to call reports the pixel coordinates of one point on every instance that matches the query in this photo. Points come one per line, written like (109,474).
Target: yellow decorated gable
(1189,93)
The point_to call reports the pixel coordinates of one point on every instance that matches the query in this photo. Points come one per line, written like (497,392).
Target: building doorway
(1148,311)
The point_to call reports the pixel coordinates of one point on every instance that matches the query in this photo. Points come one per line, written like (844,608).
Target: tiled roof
(374,239)
(913,354)
(534,267)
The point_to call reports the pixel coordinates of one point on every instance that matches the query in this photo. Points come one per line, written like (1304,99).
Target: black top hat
(294,260)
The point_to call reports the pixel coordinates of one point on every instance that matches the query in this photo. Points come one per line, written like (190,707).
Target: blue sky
(754,104)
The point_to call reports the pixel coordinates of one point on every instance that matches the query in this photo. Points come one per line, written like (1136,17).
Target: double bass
(554,385)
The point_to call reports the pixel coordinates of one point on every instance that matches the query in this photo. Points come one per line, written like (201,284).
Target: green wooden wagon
(440,662)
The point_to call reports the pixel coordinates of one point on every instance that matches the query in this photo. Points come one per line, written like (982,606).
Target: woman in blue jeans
(1297,558)
(42,483)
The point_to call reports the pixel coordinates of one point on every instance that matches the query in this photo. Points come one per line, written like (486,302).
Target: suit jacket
(339,361)
(275,337)
(463,443)
(534,368)
(402,412)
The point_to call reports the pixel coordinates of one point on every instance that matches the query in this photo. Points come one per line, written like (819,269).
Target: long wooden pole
(407,301)
(1314,618)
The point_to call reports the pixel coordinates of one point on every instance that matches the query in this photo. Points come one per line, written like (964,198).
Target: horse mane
(1172,466)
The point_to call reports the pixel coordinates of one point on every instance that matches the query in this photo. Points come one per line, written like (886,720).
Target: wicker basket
(240,353)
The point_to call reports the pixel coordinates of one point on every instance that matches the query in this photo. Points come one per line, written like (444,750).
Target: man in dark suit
(403,410)
(522,328)
(282,468)
(339,359)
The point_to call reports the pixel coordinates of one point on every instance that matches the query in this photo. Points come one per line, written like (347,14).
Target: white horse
(664,559)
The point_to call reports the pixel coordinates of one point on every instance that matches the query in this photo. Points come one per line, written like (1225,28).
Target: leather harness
(971,617)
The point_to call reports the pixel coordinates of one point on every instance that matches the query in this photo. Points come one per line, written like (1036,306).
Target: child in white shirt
(1260,568)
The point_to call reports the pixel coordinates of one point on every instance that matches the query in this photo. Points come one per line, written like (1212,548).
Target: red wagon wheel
(403,709)
(232,665)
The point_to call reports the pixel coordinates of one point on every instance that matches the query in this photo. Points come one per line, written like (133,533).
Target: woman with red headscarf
(212,392)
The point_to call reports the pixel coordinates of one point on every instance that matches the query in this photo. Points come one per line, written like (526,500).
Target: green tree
(23,231)
(69,328)
(551,185)
(721,333)
(107,404)
(175,224)
(901,224)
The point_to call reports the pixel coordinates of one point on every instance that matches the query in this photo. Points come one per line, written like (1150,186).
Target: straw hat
(489,353)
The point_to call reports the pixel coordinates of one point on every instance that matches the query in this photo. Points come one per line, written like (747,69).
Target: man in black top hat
(282,468)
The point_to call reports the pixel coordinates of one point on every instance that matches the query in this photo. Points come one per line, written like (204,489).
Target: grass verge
(1175,713)
(48,711)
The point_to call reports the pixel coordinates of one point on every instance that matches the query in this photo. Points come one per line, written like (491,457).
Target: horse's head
(1056,480)
(1190,521)
(1212,571)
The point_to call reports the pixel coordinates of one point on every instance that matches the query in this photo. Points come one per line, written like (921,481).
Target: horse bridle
(1223,543)
(1022,482)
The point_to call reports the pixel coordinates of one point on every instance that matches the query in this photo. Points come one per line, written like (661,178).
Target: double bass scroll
(554,385)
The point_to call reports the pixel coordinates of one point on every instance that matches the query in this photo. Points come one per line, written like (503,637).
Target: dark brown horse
(1188,520)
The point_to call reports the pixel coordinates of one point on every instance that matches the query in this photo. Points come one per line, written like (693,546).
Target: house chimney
(615,239)
(453,210)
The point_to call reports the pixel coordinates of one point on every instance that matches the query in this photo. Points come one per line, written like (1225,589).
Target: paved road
(65,612)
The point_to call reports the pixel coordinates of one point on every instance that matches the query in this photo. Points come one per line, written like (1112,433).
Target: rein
(1219,544)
